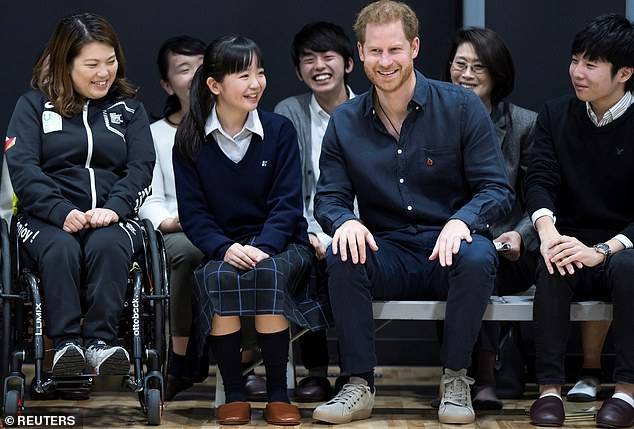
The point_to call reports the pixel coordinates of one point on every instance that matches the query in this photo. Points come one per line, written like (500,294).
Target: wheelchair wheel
(12,403)
(154,407)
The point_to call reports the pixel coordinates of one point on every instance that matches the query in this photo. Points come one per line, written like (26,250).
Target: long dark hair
(225,55)
(493,54)
(180,45)
(51,73)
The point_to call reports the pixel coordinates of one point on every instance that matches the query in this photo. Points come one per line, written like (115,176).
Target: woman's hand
(75,221)
(101,217)
(170,224)
(237,256)
(255,254)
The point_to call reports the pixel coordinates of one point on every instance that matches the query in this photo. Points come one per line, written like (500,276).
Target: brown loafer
(282,414)
(547,411)
(234,413)
(615,413)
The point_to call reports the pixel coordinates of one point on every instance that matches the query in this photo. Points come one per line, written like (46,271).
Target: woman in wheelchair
(80,159)
(238,186)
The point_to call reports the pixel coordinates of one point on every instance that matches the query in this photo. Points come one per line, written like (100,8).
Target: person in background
(322,56)
(177,59)
(481,62)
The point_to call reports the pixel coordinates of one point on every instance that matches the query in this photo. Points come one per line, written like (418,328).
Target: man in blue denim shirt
(422,159)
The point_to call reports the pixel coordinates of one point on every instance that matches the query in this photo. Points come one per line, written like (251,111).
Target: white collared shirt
(235,147)
(611,115)
(613,112)
(318,123)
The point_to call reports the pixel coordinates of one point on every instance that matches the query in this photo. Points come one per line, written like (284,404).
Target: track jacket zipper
(91,172)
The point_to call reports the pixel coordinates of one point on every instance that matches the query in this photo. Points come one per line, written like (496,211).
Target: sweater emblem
(264,163)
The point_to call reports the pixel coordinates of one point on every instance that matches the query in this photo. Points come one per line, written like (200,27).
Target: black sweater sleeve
(37,193)
(128,193)
(544,176)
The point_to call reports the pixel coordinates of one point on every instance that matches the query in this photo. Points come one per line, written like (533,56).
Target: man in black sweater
(579,193)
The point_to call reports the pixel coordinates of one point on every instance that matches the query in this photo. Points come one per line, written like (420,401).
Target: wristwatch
(603,249)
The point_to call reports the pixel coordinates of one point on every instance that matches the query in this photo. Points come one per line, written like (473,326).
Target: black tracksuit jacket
(102,157)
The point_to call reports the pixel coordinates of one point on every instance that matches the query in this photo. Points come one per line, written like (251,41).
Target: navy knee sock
(226,349)
(275,355)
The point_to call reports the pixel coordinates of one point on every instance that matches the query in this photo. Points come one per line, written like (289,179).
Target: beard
(391,85)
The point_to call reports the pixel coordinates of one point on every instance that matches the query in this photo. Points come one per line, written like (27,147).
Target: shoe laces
(349,395)
(456,389)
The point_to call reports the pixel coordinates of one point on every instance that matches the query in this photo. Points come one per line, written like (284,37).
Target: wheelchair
(144,324)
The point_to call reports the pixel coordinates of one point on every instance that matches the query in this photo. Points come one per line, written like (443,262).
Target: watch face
(602,248)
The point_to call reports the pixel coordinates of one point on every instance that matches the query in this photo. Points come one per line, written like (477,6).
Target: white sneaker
(68,361)
(455,402)
(586,390)
(353,402)
(108,360)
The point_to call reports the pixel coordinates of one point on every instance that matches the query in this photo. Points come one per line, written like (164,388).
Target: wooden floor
(402,401)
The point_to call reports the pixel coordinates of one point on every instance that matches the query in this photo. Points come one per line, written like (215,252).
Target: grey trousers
(183,258)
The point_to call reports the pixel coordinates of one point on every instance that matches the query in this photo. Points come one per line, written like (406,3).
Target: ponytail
(191,132)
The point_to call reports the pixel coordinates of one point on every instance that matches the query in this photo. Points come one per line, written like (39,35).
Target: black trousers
(400,269)
(551,313)
(96,260)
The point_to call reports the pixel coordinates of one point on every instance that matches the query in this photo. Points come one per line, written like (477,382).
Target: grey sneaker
(68,361)
(108,360)
(353,402)
(455,402)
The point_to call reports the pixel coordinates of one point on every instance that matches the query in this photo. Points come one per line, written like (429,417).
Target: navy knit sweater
(583,173)
(221,202)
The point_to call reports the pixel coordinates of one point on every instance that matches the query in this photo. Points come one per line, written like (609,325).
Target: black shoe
(313,389)
(175,385)
(340,382)
(255,386)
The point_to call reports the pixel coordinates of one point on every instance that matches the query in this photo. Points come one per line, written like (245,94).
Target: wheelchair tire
(12,403)
(154,407)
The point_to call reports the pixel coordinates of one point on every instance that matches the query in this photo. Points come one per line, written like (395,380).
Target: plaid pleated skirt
(287,284)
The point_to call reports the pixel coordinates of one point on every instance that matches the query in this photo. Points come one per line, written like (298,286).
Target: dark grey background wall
(25,27)
(539,34)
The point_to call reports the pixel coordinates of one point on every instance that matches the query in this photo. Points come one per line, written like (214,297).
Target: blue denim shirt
(447,164)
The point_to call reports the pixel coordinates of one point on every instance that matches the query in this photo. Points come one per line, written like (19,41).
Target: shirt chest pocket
(437,165)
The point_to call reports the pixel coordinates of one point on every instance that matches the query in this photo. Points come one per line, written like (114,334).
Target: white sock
(543,395)
(624,397)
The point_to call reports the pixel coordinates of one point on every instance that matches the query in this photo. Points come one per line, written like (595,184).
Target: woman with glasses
(481,62)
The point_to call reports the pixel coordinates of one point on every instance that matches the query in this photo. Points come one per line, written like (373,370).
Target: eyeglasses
(459,65)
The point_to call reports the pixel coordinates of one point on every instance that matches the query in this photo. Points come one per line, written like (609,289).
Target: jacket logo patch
(619,150)
(264,163)
(48,105)
(116,118)
(51,122)
(9,142)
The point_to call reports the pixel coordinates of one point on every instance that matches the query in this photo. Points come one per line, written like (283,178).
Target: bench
(500,308)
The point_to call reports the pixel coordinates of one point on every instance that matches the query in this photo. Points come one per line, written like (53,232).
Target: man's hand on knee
(448,242)
(353,235)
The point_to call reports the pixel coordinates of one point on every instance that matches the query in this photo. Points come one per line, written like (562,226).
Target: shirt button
(400,151)
(401,180)
(409,208)
(417,107)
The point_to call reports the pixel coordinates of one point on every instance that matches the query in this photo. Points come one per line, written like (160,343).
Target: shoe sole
(116,364)
(72,363)
(357,415)
(459,420)
(580,397)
